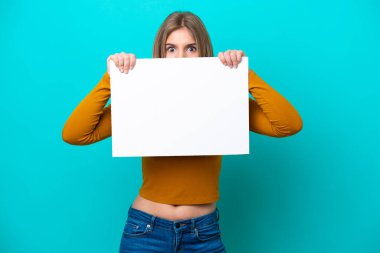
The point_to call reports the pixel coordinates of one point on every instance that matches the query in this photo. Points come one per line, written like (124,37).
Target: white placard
(180,107)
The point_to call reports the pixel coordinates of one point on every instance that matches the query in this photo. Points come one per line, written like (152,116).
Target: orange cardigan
(181,180)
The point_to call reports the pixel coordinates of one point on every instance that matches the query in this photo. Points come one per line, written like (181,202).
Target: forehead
(180,36)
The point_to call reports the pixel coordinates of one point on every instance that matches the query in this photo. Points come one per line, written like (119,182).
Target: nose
(180,54)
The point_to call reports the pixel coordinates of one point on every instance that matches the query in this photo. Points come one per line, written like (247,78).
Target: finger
(126,63)
(121,62)
(115,60)
(239,55)
(234,58)
(222,59)
(133,61)
(111,58)
(227,56)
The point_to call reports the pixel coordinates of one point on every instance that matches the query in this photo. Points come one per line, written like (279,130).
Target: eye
(192,49)
(170,49)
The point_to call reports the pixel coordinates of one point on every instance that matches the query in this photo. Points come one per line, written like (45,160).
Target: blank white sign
(180,107)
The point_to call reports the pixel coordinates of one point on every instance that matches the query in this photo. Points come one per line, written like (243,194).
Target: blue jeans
(145,233)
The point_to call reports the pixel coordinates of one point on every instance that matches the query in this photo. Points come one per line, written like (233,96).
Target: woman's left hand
(231,58)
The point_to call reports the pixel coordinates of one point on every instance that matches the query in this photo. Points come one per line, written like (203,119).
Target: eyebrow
(191,44)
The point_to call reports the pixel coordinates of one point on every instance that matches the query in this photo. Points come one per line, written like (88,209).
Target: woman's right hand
(123,61)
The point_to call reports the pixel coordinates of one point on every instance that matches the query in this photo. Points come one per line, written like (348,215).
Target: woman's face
(181,43)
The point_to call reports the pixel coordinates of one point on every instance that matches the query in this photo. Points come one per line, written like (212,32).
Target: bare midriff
(172,212)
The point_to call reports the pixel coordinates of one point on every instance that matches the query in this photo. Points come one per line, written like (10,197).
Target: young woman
(175,210)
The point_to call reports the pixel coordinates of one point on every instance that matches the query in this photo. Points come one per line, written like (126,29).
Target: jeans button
(177,225)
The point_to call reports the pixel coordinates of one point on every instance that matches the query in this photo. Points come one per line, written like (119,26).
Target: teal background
(317,191)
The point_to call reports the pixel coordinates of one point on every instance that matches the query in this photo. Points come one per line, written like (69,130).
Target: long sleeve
(270,113)
(90,121)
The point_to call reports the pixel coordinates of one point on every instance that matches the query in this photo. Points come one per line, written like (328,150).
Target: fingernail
(121,70)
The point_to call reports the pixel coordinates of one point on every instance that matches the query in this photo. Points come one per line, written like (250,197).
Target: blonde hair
(177,20)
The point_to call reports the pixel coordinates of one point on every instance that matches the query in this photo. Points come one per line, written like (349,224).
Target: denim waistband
(169,224)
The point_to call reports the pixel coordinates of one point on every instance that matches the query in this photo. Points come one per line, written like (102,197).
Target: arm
(270,113)
(90,122)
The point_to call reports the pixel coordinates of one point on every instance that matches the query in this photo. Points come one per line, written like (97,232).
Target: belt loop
(192,225)
(152,220)
(217,214)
